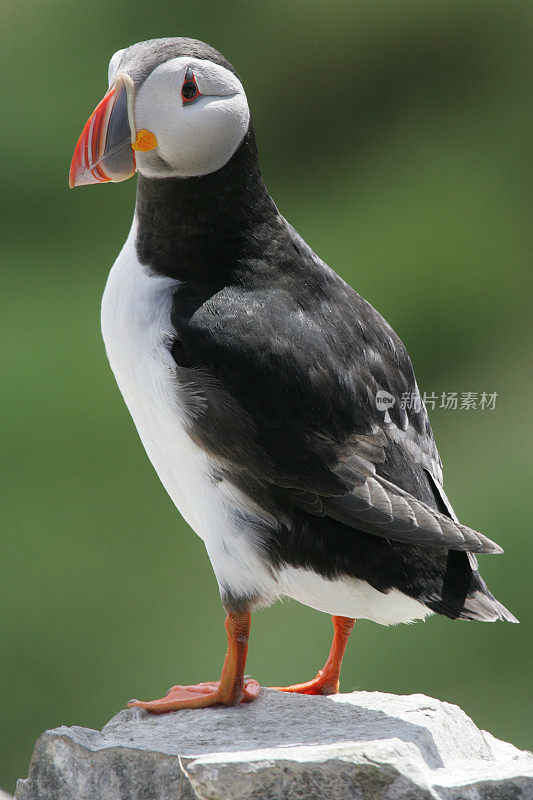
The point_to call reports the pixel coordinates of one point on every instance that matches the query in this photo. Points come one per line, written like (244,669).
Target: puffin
(266,391)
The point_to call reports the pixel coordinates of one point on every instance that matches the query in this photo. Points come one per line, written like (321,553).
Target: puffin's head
(174,108)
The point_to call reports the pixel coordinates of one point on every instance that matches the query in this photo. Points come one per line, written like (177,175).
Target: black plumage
(283,361)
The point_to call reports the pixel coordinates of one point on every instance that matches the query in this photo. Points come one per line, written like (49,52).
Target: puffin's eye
(189,90)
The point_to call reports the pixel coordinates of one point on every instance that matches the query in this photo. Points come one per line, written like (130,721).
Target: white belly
(137,331)
(349,597)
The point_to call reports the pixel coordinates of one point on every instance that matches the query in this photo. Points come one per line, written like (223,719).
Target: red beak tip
(103,152)
(73,178)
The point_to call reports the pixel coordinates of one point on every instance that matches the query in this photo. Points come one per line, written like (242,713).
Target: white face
(193,138)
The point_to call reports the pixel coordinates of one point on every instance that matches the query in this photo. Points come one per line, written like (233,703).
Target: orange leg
(327,680)
(229,690)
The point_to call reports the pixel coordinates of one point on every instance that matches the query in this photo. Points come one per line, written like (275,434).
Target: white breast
(137,332)
(136,328)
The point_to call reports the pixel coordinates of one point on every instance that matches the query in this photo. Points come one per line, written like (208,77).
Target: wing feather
(288,374)
(412,520)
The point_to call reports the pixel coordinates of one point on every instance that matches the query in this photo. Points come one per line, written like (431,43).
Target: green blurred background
(396,137)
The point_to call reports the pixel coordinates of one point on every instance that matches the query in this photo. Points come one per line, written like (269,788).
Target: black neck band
(201,228)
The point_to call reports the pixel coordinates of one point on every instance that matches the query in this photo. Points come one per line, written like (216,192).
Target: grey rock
(361,746)
(5,796)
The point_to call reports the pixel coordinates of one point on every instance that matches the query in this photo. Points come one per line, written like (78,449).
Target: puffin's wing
(283,397)
(378,506)
(381,508)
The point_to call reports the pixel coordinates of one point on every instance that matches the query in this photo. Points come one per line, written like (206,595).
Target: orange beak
(104,151)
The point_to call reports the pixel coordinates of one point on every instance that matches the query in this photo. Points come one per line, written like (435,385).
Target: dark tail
(483,606)
(464,594)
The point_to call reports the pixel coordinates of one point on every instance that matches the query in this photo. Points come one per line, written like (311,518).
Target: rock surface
(362,746)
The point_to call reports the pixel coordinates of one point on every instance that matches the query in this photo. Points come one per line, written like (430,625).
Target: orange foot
(231,689)
(327,680)
(199,695)
(322,684)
